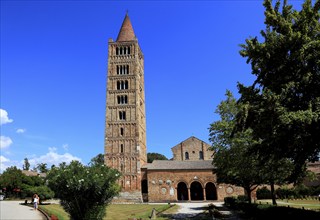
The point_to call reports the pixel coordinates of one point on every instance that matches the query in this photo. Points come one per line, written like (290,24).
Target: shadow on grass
(210,212)
(264,212)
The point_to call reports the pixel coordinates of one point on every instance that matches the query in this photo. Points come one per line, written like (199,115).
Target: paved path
(12,210)
(189,210)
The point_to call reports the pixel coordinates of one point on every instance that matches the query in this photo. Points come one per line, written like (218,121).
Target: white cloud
(5,142)
(20,130)
(53,157)
(3,163)
(4,119)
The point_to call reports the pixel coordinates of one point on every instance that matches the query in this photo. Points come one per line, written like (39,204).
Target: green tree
(42,167)
(26,165)
(232,159)
(12,180)
(17,184)
(97,160)
(84,191)
(155,156)
(283,103)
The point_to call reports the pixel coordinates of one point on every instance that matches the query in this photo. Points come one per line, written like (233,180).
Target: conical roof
(126,32)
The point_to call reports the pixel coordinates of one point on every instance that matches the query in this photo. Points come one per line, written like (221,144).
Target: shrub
(243,198)
(263,193)
(230,201)
(44,192)
(301,191)
(84,191)
(285,193)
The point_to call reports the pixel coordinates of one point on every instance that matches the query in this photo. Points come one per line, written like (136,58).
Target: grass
(117,211)
(298,203)
(125,211)
(55,209)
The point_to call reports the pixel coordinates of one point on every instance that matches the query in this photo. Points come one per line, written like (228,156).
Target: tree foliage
(234,163)
(26,165)
(16,184)
(282,107)
(97,160)
(84,191)
(155,156)
(42,167)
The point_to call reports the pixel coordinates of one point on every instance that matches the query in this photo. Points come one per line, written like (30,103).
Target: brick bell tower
(125,128)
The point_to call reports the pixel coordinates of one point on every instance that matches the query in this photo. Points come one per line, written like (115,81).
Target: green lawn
(115,211)
(55,209)
(298,203)
(125,211)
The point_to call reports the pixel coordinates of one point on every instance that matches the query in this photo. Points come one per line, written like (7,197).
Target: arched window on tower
(122,99)
(122,167)
(186,155)
(122,85)
(121,131)
(122,115)
(121,148)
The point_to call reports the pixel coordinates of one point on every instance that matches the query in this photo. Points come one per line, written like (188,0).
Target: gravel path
(12,210)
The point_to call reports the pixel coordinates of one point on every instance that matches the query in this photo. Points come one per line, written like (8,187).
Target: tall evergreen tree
(26,165)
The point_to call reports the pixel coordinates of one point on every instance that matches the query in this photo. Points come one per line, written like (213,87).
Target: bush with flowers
(84,191)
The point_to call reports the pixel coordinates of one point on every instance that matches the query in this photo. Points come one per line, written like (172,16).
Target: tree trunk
(273,194)
(248,191)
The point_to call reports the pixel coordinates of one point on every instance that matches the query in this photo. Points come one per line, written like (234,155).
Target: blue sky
(54,64)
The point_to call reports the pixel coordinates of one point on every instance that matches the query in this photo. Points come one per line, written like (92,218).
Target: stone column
(204,194)
(189,195)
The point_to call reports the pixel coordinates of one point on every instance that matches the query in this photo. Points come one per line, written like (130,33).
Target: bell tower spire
(126,32)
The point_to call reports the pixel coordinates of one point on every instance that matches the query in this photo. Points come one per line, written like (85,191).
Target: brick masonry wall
(193,146)
(162,185)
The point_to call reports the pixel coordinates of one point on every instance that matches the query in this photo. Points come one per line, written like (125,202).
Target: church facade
(188,176)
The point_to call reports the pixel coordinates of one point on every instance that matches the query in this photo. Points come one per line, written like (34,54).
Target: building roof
(179,165)
(32,173)
(126,32)
(191,138)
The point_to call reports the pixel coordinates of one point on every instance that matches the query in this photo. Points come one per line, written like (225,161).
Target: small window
(122,167)
(186,154)
(121,148)
(121,131)
(200,155)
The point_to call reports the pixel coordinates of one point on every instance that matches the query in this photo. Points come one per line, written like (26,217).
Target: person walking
(36,200)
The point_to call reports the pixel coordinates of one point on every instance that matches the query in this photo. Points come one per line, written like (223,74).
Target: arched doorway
(196,191)
(144,190)
(211,191)
(182,191)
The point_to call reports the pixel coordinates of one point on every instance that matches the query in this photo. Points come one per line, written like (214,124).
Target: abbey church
(189,176)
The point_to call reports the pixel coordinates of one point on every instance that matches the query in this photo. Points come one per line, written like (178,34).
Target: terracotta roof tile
(126,32)
(179,165)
